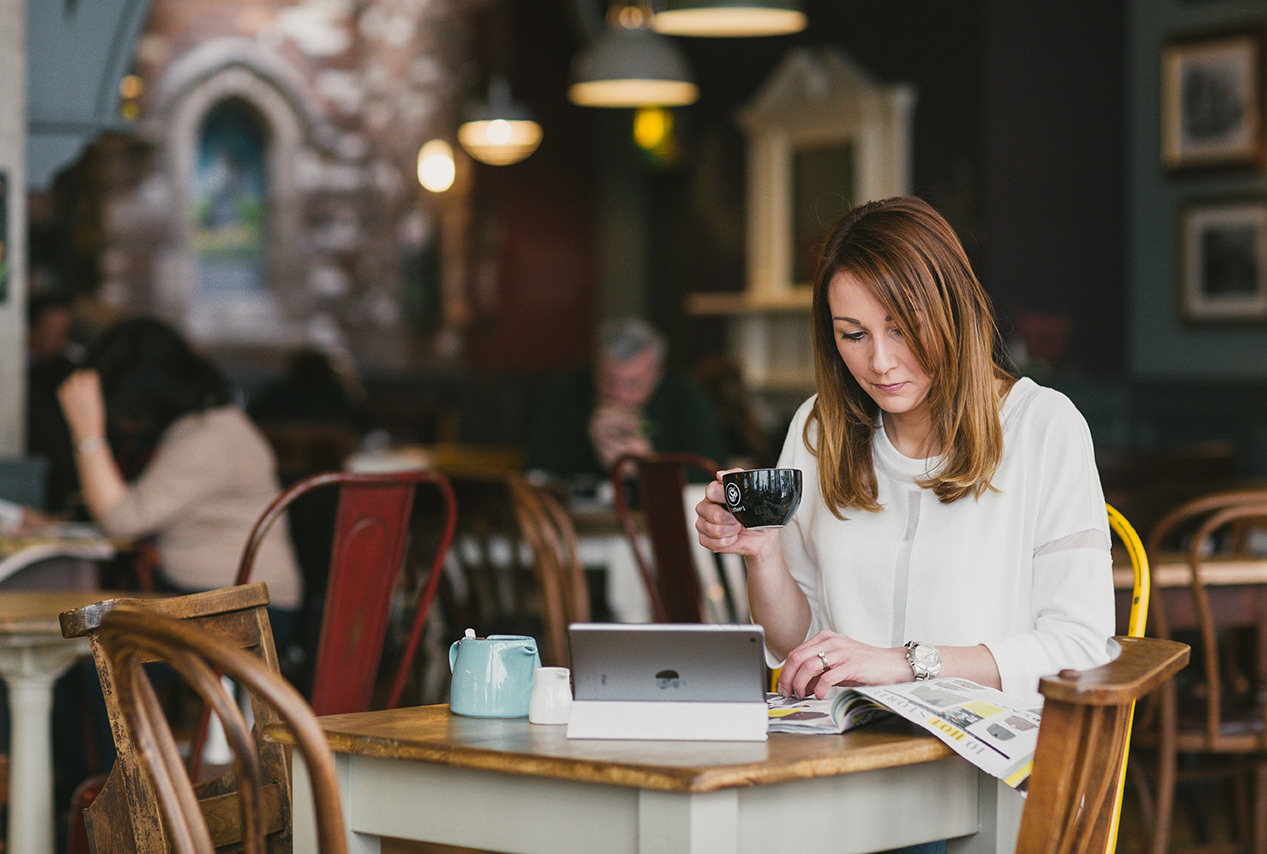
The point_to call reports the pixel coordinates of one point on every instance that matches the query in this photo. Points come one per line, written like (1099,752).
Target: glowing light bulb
(436,168)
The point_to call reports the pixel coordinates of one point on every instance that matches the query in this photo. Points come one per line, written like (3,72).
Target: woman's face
(874,350)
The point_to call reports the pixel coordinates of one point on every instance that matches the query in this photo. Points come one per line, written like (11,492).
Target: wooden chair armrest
(1140,667)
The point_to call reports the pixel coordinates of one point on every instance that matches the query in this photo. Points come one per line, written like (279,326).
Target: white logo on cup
(732,495)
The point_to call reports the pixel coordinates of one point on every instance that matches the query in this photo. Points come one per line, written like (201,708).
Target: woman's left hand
(828,659)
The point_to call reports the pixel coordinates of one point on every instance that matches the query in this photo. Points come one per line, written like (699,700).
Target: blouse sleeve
(800,562)
(1072,611)
(189,464)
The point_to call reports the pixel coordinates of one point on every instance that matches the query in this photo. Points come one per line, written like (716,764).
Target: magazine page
(981,724)
(837,714)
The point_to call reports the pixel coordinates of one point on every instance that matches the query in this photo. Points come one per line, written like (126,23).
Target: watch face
(926,657)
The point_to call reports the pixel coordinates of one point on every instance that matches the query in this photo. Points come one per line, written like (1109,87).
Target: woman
(209,477)
(952,522)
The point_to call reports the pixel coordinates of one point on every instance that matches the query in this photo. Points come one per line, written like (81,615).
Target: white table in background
(33,654)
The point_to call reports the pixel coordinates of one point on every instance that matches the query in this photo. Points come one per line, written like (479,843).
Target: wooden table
(33,654)
(75,548)
(507,785)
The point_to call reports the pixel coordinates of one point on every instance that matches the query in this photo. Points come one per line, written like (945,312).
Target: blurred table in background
(60,555)
(477,472)
(454,460)
(1236,590)
(33,654)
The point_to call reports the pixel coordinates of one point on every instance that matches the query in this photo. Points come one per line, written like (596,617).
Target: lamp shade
(631,67)
(499,131)
(729,17)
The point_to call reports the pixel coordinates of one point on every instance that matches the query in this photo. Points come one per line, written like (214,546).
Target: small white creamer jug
(551,700)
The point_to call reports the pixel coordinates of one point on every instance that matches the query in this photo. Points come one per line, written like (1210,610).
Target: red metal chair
(671,575)
(371,533)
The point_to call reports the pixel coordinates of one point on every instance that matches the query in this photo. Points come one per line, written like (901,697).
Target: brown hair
(910,258)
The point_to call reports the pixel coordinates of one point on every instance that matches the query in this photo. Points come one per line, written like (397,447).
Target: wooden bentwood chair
(1218,715)
(124,817)
(129,638)
(1081,745)
(561,585)
(670,574)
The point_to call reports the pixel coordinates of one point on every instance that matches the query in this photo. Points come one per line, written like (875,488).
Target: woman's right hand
(720,531)
(83,405)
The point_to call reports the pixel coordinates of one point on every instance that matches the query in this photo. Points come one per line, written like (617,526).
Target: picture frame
(1223,261)
(1212,101)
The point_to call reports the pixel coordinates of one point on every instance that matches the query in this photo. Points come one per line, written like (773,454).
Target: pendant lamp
(731,18)
(628,65)
(499,131)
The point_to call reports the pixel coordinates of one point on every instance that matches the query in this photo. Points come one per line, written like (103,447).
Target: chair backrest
(131,637)
(371,533)
(1135,627)
(1177,524)
(670,574)
(562,588)
(490,584)
(124,817)
(1221,696)
(1081,742)
(1126,533)
(1180,527)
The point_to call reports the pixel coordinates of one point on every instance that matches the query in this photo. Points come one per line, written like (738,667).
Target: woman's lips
(889,389)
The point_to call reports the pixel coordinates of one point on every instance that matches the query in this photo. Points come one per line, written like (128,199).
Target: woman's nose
(882,356)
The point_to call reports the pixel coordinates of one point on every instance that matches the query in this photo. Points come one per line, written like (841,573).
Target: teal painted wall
(1161,345)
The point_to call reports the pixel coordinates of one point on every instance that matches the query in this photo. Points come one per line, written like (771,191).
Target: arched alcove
(234,132)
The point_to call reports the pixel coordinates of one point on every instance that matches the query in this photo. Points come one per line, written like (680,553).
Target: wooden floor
(1202,813)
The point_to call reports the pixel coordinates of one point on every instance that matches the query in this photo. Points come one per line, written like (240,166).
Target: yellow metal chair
(1134,628)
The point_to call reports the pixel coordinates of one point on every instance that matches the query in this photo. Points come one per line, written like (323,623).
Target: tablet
(700,662)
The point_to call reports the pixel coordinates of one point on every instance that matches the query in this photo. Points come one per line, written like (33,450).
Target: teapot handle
(529,649)
(453,654)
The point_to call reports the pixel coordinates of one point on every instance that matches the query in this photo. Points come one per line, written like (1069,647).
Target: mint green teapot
(492,676)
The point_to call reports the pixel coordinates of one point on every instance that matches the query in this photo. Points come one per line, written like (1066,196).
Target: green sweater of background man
(678,418)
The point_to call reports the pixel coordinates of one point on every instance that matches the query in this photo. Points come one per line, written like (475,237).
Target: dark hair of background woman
(151,376)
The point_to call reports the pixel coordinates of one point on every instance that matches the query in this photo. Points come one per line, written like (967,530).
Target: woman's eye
(852,336)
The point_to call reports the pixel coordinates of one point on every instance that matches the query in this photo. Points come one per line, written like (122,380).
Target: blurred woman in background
(210,473)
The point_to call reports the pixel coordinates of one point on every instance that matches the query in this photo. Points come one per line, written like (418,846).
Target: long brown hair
(910,258)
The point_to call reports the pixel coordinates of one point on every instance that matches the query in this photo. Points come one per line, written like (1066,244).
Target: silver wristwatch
(924,659)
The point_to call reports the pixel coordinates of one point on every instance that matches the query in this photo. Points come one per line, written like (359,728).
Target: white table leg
(30,666)
(1000,815)
(303,817)
(707,823)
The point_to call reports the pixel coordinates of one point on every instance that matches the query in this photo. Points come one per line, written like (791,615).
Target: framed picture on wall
(1223,261)
(1212,101)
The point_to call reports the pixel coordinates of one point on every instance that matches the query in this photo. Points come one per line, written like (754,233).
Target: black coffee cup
(762,498)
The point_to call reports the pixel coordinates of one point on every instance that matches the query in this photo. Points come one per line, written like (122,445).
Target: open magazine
(982,725)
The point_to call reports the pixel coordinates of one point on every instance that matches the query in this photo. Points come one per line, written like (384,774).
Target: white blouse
(1024,569)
